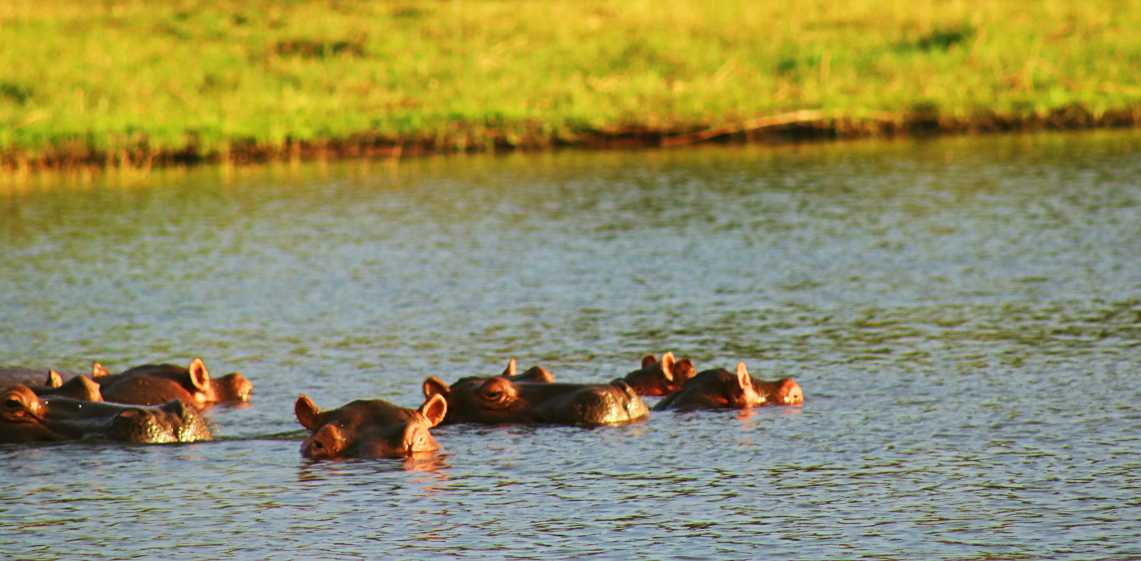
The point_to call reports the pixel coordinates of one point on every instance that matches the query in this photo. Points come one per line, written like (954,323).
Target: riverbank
(142,85)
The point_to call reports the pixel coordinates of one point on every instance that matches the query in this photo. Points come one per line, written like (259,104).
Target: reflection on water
(319,470)
(963,314)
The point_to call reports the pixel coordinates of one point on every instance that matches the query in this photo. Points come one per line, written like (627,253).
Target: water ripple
(963,314)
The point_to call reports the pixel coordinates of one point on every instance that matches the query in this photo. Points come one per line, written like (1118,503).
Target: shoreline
(789,127)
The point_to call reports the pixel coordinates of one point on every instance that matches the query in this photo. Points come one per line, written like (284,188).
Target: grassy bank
(114,81)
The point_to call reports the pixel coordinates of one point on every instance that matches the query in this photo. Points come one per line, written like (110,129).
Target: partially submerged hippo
(779,392)
(151,384)
(369,428)
(27,417)
(660,377)
(501,399)
(715,389)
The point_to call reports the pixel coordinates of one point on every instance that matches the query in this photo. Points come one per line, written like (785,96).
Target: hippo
(369,428)
(715,389)
(500,399)
(779,392)
(660,377)
(27,417)
(151,384)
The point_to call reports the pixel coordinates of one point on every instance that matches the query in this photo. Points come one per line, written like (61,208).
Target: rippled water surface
(963,314)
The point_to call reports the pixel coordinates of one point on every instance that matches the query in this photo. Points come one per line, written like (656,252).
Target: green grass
(216,78)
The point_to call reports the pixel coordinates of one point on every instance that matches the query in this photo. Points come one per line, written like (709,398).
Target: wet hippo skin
(368,428)
(148,384)
(785,391)
(715,389)
(660,377)
(27,417)
(500,399)
(151,384)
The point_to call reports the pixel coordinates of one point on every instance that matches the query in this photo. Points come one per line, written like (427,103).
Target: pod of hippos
(162,403)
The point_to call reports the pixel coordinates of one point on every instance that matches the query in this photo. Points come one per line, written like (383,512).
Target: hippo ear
(434,408)
(435,386)
(668,366)
(648,361)
(98,370)
(306,412)
(511,368)
(199,377)
(743,378)
(54,379)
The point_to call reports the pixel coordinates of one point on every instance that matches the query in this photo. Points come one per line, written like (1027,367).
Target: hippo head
(714,389)
(233,387)
(173,421)
(780,392)
(501,399)
(25,416)
(661,377)
(478,399)
(739,392)
(159,383)
(369,429)
(22,417)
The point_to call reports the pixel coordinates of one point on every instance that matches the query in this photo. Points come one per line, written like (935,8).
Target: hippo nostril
(13,404)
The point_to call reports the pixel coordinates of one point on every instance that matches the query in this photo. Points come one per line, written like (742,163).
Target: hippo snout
(328,442)
(173,421)
(235,387)
(418,439)
(790,393)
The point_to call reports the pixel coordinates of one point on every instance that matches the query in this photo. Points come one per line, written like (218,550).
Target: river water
(964,315)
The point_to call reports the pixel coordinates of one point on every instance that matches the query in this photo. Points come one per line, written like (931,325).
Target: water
(963,314)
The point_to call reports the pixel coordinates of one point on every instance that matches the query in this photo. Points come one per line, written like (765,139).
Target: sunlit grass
(216,77)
